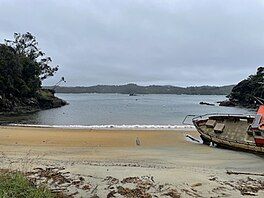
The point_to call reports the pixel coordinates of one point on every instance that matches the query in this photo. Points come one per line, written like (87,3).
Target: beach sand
(130,163)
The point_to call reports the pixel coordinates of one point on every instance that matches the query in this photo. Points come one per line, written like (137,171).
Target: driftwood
(243,173)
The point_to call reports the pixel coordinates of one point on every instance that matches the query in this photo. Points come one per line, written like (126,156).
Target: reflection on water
(105,109)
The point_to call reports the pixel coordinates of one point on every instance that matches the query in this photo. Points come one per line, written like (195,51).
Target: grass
(16,185)
(45,94)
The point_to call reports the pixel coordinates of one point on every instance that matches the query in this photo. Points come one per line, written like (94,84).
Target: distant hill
(151,89)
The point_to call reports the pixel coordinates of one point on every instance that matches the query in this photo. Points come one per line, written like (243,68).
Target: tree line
(151,89)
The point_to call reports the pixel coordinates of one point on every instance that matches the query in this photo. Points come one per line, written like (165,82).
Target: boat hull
(223,141)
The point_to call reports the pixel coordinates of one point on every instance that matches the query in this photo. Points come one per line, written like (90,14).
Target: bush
(15,184)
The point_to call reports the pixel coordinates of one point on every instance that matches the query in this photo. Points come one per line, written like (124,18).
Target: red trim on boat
(259,141)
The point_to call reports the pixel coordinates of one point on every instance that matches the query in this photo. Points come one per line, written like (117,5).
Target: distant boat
(237,132)
(132,94)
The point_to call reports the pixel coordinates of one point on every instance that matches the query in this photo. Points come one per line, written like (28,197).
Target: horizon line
(138,85)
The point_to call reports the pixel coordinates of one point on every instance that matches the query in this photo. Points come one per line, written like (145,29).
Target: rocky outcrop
(44,99)
(206,103)
(47,99)
(227,103)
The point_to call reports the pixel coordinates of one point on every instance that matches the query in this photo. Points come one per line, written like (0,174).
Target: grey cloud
(180,42)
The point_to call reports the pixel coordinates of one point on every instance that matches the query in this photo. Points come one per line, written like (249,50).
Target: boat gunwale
(222,114)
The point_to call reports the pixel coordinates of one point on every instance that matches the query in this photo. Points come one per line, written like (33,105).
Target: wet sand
(164,160)
(56,137)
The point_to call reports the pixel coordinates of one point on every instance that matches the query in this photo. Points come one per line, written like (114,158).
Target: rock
(48,100)
(206,103)
(31,102)
(44,99)
(227,103)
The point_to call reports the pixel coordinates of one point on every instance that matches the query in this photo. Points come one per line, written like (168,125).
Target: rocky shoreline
(227,103)
(44,99)
(231,103)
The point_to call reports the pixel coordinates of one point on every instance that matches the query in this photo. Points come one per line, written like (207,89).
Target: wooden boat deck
(235,131)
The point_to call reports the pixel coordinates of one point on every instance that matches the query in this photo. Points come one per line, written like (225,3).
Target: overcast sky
(176,42)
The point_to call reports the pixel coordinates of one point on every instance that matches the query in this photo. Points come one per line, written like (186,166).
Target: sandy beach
(130,163)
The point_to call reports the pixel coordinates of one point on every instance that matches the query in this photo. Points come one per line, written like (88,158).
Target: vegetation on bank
(15,184)
(249,92)
(152,89)
(23,67)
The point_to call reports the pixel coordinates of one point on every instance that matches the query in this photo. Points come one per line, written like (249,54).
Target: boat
(237,132)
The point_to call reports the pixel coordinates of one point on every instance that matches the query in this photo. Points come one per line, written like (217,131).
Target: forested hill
(152,89)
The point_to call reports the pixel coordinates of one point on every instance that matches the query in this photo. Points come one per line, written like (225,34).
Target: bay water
(121,110)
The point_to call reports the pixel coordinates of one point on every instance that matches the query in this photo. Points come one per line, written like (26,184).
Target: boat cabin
(257,127)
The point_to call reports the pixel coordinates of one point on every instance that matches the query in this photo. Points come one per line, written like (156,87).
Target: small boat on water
(238,132)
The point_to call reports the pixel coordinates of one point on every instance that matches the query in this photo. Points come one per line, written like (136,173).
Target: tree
(260,70)
(26,45)
(23,66)
(246,91)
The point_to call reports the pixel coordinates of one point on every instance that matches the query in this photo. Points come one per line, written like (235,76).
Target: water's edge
(145,127)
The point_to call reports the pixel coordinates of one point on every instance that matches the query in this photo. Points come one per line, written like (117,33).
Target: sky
(162,42)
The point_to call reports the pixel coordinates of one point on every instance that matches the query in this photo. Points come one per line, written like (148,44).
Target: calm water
(120,109)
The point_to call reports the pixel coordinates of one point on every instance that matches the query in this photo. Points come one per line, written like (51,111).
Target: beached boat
(239,132)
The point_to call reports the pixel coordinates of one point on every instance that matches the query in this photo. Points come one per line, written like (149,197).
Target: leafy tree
(23,66)
(26,45)
(246,91)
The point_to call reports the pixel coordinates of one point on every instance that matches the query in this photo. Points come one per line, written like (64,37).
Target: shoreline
(108,126)
(164,163)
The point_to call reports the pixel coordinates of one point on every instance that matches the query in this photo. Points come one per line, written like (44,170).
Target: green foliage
(26,46)
(22,68)
(13,185)
(246,91)
(45,94)
(18,74)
